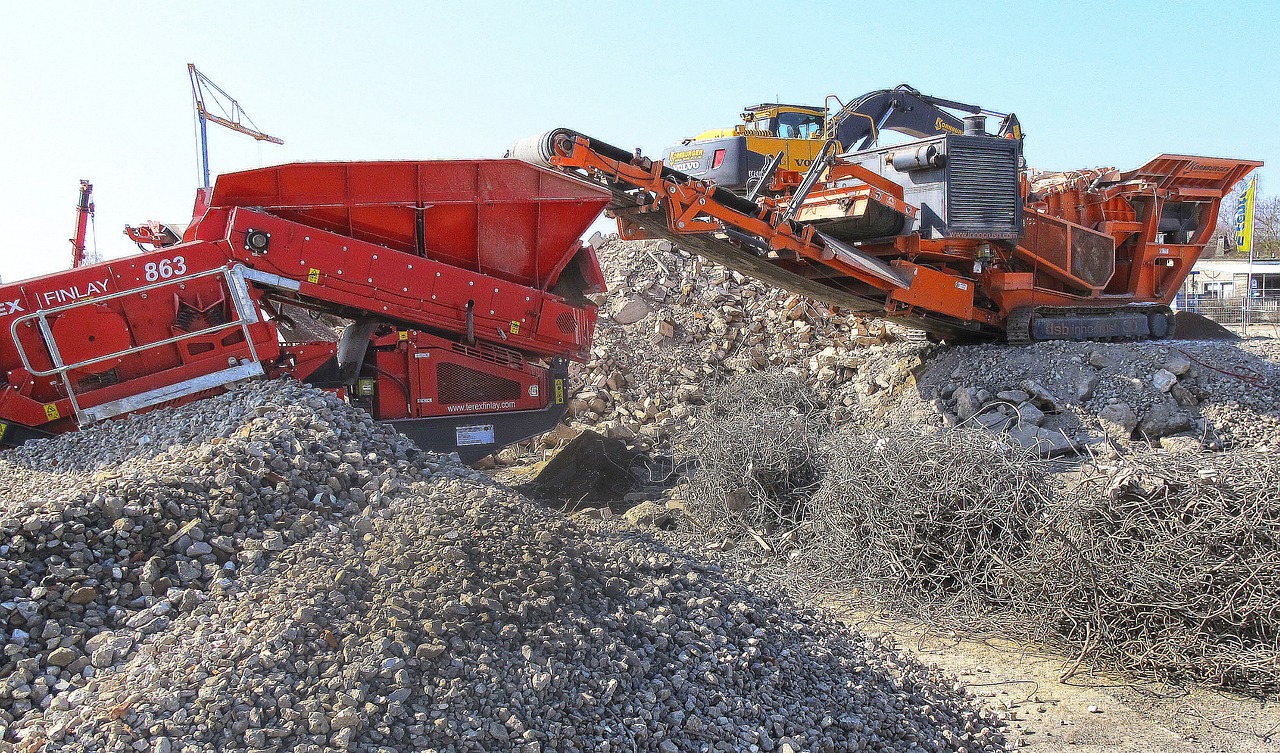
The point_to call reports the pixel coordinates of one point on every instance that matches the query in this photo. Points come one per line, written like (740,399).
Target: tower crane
(227,113)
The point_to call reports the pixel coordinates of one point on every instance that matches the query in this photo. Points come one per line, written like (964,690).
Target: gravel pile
(108,534)
(1217,394)
(374,598)
(672,325)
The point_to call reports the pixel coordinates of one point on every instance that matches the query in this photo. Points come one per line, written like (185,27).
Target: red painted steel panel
(506,218)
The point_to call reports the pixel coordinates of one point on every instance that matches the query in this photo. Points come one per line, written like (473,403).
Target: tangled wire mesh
(1167,568)
(914,518)
(1153,565)
(759,459)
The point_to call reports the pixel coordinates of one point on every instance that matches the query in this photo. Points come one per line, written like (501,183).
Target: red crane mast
(84,210)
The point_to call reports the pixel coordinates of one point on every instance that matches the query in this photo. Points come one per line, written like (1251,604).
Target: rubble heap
(374,598)
(1056,394)
(673,324)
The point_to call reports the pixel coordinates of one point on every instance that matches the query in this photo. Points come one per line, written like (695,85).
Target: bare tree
(1266,227)
(1266,223)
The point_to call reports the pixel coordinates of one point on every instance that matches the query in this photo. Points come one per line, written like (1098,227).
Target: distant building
(1228,278)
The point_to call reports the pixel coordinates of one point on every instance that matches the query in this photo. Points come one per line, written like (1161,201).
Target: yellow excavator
(778,137)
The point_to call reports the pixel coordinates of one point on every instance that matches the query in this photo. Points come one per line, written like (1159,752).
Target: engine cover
(965,186)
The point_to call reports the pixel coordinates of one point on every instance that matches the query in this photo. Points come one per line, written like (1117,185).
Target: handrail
(246,314)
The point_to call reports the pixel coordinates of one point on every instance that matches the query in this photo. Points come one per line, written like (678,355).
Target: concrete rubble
(674,326)
(270,570)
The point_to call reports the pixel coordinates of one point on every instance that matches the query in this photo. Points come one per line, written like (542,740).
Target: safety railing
(246,314)
(1235,309)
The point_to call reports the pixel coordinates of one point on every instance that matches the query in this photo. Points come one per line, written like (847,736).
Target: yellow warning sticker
(559,392)
(4,429)
(404,335)
(313,275)
(51,412)
(515,327)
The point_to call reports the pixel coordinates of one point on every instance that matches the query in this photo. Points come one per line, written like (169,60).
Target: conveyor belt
(724,252)
(741,257)
(740,254)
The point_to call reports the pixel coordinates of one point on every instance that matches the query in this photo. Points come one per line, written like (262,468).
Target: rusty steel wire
(1168,567)
(1159,565)
(758,459)
(915,517)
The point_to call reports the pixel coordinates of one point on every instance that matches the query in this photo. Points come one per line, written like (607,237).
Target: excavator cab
(733,157)
(737,158)
(786,121)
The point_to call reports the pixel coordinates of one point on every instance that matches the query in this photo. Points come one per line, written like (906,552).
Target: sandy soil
(1045,714)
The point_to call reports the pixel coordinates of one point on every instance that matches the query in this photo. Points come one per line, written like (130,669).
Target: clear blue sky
(99,90)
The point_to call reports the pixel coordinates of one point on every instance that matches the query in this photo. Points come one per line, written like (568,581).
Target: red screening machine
(463,282)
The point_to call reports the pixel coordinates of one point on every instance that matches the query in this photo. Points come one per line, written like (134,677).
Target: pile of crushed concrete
(673,326)
(1058,396)
(270,570)
(110,533)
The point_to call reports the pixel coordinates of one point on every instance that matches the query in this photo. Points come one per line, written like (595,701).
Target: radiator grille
(983,188)
(458,384)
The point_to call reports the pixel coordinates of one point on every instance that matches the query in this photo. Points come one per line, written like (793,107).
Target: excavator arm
(857,125)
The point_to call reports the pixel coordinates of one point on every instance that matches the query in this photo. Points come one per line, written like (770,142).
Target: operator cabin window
(797,125)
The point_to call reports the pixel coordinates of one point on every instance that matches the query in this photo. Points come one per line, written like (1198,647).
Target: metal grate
(491,354)
(983,188)
(458,384)
(1088,255)
(1048,239)
(1093,256)
(567,323)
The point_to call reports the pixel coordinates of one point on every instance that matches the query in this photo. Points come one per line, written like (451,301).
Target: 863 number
(164,269)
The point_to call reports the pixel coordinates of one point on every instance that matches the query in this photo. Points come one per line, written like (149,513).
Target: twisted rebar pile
(1157,565)
(1167,567)
(914,517)
(759,461)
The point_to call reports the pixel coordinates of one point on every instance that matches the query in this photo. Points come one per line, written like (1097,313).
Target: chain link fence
(1234,311)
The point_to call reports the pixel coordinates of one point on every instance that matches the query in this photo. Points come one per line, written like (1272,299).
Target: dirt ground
(1044,714)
